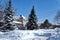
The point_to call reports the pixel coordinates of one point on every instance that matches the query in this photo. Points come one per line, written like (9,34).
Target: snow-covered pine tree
(8,18)
(32,21)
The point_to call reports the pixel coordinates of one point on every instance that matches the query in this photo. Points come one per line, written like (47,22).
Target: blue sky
(44,9)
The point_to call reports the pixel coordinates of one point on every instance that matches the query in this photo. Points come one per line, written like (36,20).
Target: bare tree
(1,7)
(57,17)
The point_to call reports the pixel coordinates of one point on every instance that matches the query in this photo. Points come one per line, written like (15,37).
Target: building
(20,21)
(1,19)
(1,15)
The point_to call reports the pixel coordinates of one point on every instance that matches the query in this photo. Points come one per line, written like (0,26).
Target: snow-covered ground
(40,34)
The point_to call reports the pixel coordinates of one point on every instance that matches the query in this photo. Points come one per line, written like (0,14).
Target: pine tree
(32,21)
(8,18)
(46,24)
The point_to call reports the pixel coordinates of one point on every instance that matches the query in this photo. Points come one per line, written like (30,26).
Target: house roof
(17,22)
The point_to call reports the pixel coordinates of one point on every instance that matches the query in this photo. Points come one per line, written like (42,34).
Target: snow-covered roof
(23,17)
(17,22)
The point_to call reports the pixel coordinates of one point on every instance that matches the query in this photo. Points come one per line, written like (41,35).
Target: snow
(23,17)
(17,17)
(40,34)
(17,22)
(1,21)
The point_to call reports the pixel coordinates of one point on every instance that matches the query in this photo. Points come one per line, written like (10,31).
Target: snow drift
(40,34)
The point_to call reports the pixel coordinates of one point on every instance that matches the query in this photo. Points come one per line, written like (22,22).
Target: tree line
(32,20)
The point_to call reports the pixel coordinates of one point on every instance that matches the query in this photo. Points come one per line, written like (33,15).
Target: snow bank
(41,34)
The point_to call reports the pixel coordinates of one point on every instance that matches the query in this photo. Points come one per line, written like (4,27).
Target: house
(20,21)
(1,15)
(19,24)
(1,19)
